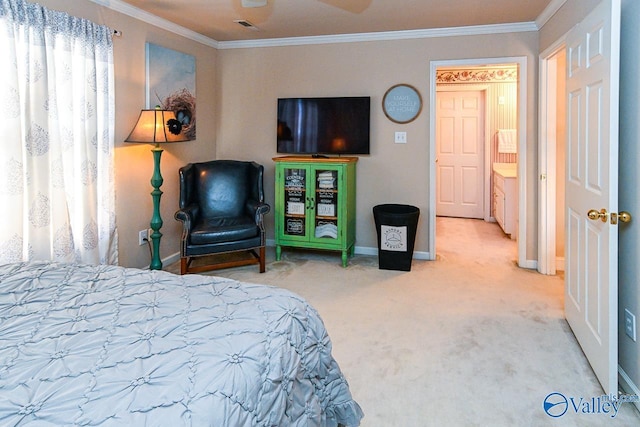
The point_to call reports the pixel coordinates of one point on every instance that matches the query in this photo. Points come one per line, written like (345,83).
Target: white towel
(507,141)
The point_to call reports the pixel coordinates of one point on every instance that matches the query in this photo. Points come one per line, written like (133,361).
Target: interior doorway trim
(521,61)
(547,163)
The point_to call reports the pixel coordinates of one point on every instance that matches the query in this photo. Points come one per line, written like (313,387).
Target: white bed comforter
(106,345)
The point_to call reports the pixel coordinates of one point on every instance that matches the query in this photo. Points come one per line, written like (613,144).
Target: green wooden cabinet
(315,204)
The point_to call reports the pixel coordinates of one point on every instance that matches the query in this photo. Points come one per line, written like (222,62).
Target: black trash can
(396,226)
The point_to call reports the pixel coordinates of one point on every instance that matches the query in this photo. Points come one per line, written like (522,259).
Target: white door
(591,275)
(460,154)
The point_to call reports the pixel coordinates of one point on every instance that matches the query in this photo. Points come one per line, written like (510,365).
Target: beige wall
(134,162)
(251,79)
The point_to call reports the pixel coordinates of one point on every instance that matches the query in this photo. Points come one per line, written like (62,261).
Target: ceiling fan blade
(254,3)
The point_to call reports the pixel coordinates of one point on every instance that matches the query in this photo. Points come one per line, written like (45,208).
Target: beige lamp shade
(157,126)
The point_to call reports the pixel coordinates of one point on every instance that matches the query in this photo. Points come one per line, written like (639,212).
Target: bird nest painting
(171,85)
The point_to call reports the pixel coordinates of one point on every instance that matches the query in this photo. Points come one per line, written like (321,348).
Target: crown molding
(549,11)
(473,30)
(382,36)
(134,12)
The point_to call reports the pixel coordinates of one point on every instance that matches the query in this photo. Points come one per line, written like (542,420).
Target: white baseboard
(367,250)
(628,386)
(172,258)
(422,255)
(530,264)
(560,263)
(168,260)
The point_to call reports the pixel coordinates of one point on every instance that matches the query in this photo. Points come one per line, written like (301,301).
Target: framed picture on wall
(171,84)
(402,103)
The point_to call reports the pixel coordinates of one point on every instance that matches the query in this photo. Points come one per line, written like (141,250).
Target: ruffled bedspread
(106,345)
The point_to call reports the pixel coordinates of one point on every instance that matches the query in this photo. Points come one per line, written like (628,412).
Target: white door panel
(446,177)
(572,265)
(470,128)
(460,154)
(470,186)
(591,293)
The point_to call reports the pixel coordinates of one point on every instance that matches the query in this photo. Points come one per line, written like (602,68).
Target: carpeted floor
(467,340)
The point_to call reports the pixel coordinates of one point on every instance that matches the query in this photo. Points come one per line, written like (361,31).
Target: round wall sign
(402,103)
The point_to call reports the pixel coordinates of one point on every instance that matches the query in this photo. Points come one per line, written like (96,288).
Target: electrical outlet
(630,324)
(143,236)
(401,138)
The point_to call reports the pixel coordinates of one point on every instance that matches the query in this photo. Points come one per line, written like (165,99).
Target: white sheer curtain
(57,197)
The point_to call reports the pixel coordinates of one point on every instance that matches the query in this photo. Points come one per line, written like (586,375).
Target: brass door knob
(595,215)
(602,214)
(624,216)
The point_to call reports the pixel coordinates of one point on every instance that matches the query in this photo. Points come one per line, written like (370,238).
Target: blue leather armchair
(221,208)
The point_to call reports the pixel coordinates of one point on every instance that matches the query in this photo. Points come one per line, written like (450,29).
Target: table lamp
(156,127)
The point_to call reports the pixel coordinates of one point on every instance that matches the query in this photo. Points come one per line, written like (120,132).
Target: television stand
(319,156)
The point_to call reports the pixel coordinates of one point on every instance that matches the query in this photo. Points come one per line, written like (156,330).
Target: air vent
(247,24)
(254,3)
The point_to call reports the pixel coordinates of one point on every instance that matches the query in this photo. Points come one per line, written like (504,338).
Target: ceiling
(300,18)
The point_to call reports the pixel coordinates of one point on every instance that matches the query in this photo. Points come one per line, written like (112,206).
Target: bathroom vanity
(505,193)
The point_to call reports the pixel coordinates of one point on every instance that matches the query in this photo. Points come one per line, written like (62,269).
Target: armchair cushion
(218,230)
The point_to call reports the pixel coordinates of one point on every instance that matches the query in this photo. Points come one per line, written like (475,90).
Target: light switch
(401,137)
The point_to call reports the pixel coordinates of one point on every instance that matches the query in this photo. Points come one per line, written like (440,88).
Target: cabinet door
(500,206)
(296,200)
(326,214)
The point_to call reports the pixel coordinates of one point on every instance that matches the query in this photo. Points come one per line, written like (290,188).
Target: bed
(107,345)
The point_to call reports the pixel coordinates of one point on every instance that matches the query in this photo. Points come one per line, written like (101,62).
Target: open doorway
(496,87)
(552,160)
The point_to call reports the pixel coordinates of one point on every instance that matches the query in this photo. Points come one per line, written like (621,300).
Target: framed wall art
(402,103)
(171,84)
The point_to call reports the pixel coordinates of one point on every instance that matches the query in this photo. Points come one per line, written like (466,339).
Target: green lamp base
(156,219)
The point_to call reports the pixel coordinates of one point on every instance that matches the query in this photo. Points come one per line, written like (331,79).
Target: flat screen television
(319,126)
